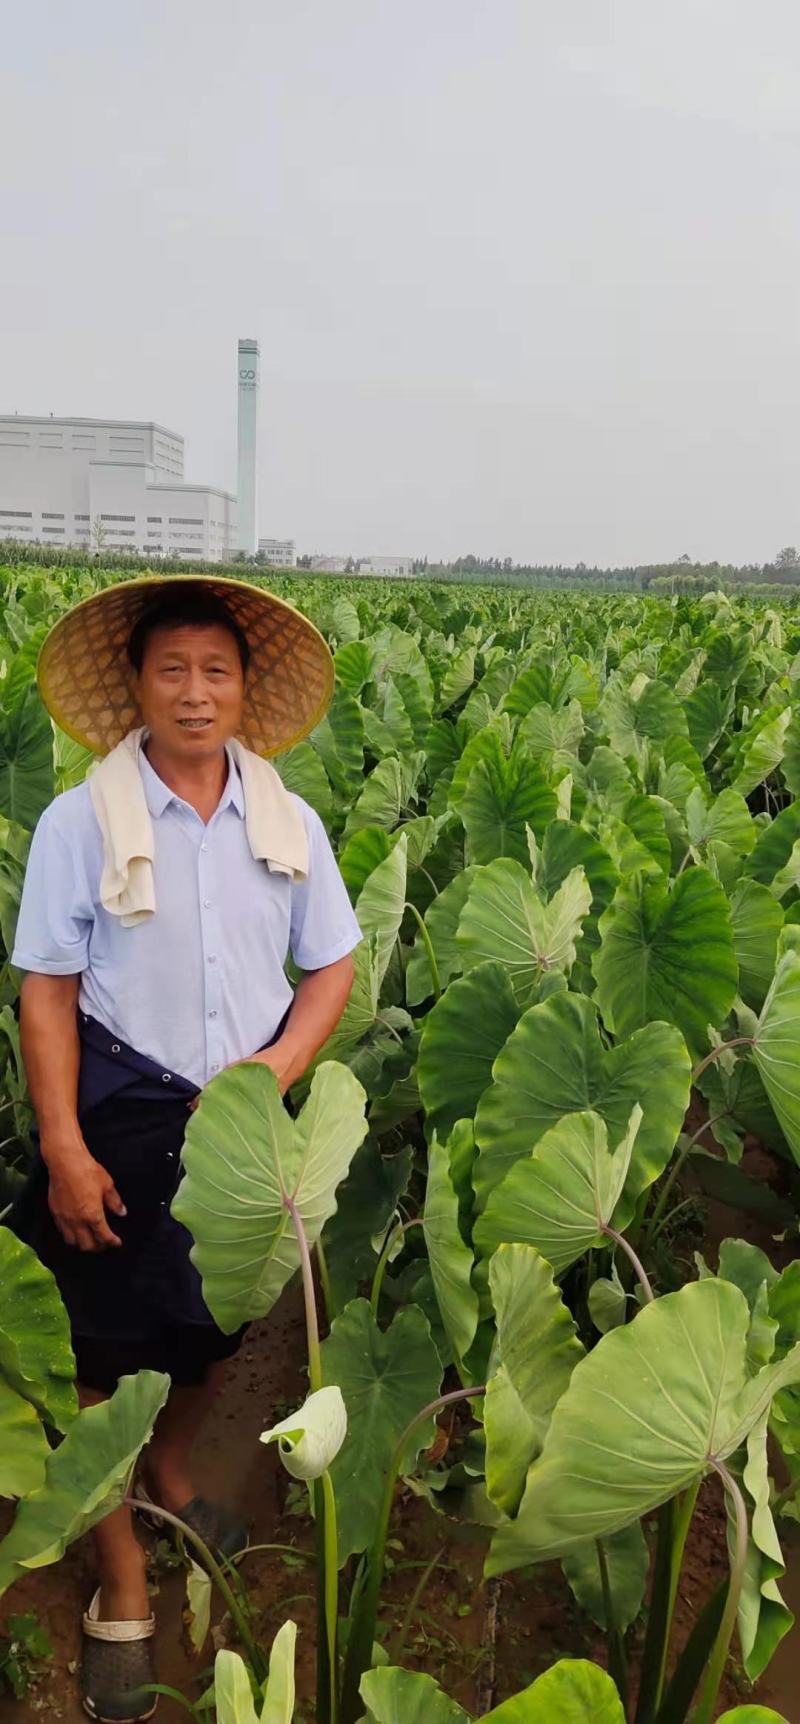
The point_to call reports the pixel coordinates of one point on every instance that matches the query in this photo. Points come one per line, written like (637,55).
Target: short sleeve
(56,913)
(323,923)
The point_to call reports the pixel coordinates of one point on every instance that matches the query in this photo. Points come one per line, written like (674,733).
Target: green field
(570,825)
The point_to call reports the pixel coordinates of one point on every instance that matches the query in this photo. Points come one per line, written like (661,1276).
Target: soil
(481,1642)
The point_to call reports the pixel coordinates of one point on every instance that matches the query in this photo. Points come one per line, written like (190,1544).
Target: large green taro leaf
(381,903)
(450,1258)
(23,1445)
(339,741)
(386,1378)
(555,1063)
(302,772)
(645,1414)
(547,733)
(752,1715)
(395,1696)
(776,1051)
(756,921)
(761,751)
(86,1477)
(627,1560)
(567,846)
(667,954)
(506,918)
(461,1040)
(367,847)
(706,715)
(504,796)
(26,760)
(727,820)
(562,1196)
(572,1692)
(535,1353)
(774,846)
(243,1157)
(36,1357)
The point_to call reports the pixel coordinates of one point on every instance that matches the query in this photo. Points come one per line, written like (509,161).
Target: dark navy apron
(133,1115)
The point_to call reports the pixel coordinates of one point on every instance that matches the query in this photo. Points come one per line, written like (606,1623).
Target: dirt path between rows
(537,1621)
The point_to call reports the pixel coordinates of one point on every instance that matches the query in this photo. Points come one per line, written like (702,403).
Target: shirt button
(212,1013)
(212,957)
(206,903)
(203,846)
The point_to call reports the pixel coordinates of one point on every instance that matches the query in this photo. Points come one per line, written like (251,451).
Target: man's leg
(121,1561)
(167,1458)
(120,1558)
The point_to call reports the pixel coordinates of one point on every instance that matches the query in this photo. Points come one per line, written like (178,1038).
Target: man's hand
(279,1060)
(80,1193)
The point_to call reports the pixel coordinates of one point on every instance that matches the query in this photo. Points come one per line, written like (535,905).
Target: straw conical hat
(88,685)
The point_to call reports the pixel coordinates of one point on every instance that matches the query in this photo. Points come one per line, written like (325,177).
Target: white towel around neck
(275,827)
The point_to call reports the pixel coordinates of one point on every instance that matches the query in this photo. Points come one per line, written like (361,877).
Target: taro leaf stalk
(362,1630)
(256,1193)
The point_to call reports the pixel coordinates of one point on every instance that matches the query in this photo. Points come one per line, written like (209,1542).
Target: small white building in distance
(110,484)
(278,553)
(328,565)
(386,566)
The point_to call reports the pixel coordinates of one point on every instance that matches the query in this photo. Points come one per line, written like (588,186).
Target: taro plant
(66,1467)
(257,1190)
(579,1447)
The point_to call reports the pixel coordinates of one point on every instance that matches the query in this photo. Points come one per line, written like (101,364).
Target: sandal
(116,1668)
(218,1528)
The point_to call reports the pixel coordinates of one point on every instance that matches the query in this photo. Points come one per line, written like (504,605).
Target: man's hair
(181,608)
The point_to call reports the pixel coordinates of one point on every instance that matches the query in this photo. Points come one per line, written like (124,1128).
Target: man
(161,900)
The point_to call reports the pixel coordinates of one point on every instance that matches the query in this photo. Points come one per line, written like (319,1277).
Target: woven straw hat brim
(88,685)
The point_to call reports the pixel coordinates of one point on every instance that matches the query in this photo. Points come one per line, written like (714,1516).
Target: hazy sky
(525,273)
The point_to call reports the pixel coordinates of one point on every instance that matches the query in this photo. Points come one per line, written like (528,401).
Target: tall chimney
(248,443)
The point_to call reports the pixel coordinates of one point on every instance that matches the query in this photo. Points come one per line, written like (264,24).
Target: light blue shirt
(202,982)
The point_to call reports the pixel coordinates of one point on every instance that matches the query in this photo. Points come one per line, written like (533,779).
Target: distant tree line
(681,576)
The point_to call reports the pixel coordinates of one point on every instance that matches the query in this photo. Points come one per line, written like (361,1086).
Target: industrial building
(118,485)
(277,553)
(403,566)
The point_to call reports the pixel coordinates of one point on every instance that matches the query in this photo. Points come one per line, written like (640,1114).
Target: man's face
(191,689)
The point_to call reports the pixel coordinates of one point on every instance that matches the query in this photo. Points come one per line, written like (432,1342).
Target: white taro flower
(310,1439)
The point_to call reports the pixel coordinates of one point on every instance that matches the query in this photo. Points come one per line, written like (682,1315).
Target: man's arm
(80,1189)
(318,1005)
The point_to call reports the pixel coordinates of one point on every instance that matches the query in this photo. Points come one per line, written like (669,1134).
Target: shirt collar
(158,795)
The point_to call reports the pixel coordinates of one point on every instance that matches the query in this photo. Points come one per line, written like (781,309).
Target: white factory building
(118,485)
(277,553)
(403,566)
(115,484)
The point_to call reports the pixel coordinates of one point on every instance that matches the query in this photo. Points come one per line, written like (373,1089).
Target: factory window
(154,518)
(118,517)
(52,529)
(18,514)
(122,532)
(186,520)
(53,517)
(81,517)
